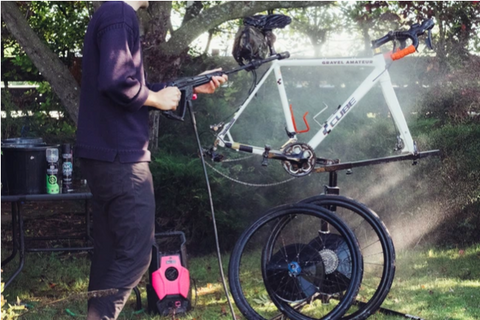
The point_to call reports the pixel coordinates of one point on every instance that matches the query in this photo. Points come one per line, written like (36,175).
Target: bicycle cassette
(337,262)
(301,159)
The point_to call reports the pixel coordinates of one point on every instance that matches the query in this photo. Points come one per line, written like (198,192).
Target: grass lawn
(434,284)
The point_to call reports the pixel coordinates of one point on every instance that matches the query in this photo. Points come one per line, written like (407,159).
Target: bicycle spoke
(294,275)
(376,247)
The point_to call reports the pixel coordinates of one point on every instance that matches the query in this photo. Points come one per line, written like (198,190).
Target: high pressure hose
(219,257)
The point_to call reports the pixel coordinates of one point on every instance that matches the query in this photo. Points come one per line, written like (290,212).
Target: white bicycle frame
(379,74)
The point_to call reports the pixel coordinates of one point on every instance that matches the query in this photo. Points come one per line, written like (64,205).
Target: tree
(458,24)
(370,16)
(47,62)
(315,23)
(163,57)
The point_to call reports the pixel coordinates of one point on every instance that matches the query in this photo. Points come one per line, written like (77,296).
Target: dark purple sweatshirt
(112,119)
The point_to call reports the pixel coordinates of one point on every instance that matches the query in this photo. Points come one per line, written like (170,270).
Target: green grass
(438,284)
(430,283)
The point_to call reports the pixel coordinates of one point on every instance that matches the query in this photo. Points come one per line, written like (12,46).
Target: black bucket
(24,167)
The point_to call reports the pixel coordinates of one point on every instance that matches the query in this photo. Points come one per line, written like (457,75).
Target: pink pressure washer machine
(169,289)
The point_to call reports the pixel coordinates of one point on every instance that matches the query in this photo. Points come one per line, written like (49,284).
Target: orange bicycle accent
(402,53)
(304,120)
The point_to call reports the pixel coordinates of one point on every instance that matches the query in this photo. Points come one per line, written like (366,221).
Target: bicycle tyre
(299,211)
(388,251)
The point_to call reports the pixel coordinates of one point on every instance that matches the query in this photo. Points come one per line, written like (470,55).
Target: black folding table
(18,232)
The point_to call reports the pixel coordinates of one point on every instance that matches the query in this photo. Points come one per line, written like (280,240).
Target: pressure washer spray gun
(187,84)
(253,42)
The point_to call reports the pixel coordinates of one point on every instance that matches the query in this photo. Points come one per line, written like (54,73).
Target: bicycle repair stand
(333,189)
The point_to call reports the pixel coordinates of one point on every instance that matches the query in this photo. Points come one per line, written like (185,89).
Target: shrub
(455,97)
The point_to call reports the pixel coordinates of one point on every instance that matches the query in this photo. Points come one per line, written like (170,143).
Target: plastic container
(51,155)
(67,168)
(24,168)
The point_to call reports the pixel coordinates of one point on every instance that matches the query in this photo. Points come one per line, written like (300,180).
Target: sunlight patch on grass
(437,284)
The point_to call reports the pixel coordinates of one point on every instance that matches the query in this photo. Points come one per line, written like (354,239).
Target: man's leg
(123,228)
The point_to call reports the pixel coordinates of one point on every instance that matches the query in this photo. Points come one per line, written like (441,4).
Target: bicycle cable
(209,191)
(243,182)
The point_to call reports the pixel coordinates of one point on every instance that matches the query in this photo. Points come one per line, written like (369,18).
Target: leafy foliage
(459,174)
(40,116)
(9,311)
(454,96)
(62,25)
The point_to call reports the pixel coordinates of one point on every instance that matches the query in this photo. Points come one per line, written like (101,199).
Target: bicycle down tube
(379,74)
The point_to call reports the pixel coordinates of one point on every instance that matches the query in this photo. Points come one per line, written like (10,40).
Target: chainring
(306,159)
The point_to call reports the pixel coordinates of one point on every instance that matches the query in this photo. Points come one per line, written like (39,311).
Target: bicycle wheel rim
(244,299)
(372,302)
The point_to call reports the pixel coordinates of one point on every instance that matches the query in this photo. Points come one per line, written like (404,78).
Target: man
(112,142)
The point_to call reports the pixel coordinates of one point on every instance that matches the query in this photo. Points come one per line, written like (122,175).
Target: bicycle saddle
(255,39)
(268,22)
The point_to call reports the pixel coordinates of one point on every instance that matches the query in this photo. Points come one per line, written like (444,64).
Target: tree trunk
(209,42)
(48,64)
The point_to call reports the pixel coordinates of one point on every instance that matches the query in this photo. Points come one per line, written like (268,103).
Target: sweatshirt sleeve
(121,71)
(156,86)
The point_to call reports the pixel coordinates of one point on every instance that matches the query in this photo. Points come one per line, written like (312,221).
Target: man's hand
(165,99)
(212,85)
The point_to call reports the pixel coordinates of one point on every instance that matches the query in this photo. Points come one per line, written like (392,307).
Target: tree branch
(50,66)
(218,14)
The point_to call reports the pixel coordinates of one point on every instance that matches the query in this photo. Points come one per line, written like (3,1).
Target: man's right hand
(165,99)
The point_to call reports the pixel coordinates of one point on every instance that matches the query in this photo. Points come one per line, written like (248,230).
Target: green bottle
(52,171)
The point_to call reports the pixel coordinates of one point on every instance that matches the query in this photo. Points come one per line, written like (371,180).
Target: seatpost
(332,187)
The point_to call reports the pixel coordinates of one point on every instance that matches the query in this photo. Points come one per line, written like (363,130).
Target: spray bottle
(52,171)
(67,168)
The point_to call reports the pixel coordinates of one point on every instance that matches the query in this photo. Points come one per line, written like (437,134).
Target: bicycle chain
(237,159)
(248,183)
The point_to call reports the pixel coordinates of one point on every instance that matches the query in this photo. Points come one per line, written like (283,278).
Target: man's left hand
(216,82)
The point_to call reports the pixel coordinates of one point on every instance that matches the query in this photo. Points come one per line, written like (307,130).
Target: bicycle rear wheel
(275,270)
(376,247)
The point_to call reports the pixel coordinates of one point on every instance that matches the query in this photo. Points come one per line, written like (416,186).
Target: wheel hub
(294,268)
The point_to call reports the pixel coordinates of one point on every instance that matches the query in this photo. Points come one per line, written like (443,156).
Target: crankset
(300,159)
